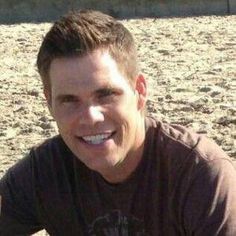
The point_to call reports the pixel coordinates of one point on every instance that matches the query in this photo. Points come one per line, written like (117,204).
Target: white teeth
(96,139)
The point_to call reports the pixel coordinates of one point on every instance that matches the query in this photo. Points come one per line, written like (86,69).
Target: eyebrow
(99,91)
(107,88)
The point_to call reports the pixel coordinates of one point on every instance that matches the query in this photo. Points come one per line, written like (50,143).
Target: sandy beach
(190,65)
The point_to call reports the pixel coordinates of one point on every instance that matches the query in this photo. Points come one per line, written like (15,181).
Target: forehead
(92,70)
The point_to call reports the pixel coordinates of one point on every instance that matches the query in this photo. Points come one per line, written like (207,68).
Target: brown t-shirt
(184,185)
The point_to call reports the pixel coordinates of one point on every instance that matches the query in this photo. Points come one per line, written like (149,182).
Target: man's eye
(69,99)
(107,93)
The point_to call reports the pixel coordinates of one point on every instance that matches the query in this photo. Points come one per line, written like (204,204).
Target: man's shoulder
(53,142)
(178,141)
(53,145)
(43,155)
(50,152)
(183,155)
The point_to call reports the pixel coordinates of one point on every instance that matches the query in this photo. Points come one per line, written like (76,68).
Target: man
(112,170)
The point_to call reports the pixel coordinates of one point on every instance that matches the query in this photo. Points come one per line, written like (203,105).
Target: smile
(96,139)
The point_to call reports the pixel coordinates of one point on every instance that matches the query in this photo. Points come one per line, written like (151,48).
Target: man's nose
(91,115)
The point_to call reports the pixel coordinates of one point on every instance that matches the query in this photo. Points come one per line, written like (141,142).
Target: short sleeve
(18,209)
(210,207)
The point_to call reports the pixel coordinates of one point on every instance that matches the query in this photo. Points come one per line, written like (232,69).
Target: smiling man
(89,98)
(112,170)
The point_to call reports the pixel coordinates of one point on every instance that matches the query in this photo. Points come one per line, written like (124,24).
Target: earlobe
(141,88)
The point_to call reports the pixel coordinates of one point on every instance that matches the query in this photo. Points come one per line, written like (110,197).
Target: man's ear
(141,89)
(47,95)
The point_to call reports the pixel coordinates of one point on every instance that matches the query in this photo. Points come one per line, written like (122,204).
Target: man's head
(95,94)
(82,32)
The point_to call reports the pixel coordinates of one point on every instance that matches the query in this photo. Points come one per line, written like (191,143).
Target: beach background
(189,63)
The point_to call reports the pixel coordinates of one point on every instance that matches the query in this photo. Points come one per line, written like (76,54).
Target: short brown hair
(81,32)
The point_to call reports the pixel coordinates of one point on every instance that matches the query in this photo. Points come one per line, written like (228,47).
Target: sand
(190,65)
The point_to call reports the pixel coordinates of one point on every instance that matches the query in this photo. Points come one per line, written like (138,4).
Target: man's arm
(18,209)
(210,208)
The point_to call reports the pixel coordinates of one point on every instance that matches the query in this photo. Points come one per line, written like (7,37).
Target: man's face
(97,112)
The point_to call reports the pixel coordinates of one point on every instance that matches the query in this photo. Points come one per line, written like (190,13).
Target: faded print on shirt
(117,224)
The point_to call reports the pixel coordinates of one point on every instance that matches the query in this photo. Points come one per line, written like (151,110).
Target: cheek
(125,118)
(124,113)
(66,121)
(127,105)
